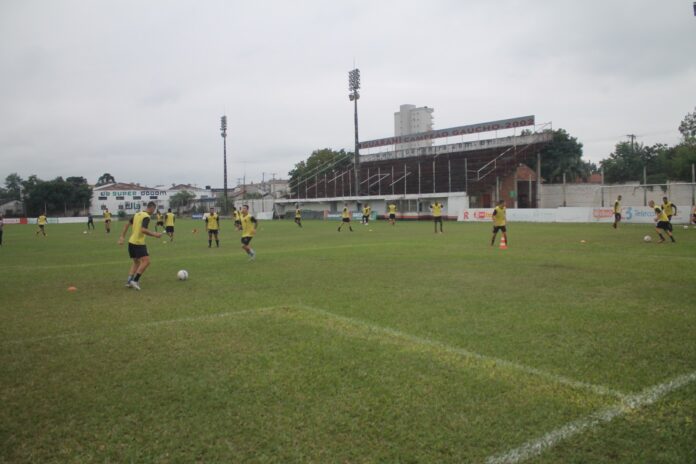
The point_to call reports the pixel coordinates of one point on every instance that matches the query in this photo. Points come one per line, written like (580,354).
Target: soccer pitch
(388,344)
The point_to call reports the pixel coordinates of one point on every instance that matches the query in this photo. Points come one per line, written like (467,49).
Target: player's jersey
(345,214)
(107,216)
(42,220)
(392,209)
(159,217)
(661,215)
(499,216)
(668,208)
(213,221)
(248,228)
(617,207)
(366,211)
(139,221)
(437,209)
(369,210)
(298,214)
(169,219)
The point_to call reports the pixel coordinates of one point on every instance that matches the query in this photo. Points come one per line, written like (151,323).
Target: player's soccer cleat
(134,284)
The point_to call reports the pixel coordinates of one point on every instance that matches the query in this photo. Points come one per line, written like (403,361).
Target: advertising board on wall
(629,214)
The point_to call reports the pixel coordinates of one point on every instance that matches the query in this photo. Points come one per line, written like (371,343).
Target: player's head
(651,203)
(245,209)
(169,210)
(151,207)
(212,210)
(664,199)
(501,202)
(619,198)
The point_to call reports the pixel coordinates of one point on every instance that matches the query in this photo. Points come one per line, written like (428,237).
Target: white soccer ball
(686,227)
(84,231)
(647,238)
(182,275)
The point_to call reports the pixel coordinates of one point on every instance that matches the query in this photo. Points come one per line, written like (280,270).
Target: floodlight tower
(223,133)
(354,86)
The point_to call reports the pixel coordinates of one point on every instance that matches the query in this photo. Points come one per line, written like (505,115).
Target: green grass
(389,345)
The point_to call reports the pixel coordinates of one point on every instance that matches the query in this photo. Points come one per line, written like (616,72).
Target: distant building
(131,198)
(12,208)
(411,120)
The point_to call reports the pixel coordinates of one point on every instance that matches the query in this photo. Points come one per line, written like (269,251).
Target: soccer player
(499,223)
(662,222)
(669,208)
(169,224)
(160,221)
(41,222)
(212,226)
(345,218)
(136,244)
(237,218)
(437,215)
(617,212)
(90,221)
(248,231)
(107,221)
(298,216)
(392,213)
(366,215)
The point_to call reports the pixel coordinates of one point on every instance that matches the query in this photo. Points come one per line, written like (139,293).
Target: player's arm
(206,223)
(495,211)
(146,231)
(122,238)
(674,207)
(253,221)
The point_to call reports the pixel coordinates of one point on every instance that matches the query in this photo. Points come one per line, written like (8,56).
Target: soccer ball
(182,275)
(84,231)
(647,238)
(686,227)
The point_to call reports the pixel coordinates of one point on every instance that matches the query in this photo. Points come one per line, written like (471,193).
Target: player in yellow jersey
(662,222)
(499,221)
(345,218)
(298,216)
(107,221)
(669,208)
(248,231)
(212,226)
(391,208)
(366,214)
(617,212)
(160,221)
(136,244)
(169,224)
(41,221)
(236,215)
(437,215)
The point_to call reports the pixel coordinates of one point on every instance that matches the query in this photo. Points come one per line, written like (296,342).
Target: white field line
(143,324)
(597,389)
(630,403)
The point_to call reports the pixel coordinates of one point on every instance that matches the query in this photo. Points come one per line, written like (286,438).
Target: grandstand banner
(629,214)
(490,126)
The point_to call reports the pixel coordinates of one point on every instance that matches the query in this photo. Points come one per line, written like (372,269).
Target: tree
(181,199)
(627,161)
(106,178)
(687,128)
(57,196)
(563,155)
(319,162)
(13,187)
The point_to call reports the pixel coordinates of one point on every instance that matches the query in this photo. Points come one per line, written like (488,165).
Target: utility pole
(223,133)
(633,139)
(354,86)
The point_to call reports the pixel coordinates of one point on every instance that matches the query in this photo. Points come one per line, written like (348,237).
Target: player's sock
(672,238)
(351,229)
(662,239)
(136,278)
(217,243)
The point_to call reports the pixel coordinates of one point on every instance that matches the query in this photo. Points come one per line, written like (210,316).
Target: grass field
(389,345)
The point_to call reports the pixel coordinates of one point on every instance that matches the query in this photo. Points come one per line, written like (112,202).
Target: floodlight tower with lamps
(223,133)
(354,86)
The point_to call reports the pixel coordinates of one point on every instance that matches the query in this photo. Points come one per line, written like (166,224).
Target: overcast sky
(137,88)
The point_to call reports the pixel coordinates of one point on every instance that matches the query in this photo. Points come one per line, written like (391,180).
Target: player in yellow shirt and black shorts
(499,221)
(136,244)
(212,226)
(248,231)
(345,218)
(617,212)
(391,209)
(662,222)
(169,224)
(437,215)
(669,208)
(41,221)
(107,221)
(366,215)
(298,216)
(160,221)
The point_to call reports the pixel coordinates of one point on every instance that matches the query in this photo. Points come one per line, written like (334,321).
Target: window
(103,198)
(120,198)
(153,197)
(136,198)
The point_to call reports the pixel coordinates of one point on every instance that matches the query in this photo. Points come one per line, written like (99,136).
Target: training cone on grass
(503,243)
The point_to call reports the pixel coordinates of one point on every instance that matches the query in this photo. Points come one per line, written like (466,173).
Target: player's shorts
(499,228)
(213,232)
(41,226)
(346,219)
(170,229)
(437,219)
(108,221)
(392,216)
(90,221)
(246,240)
(664,225)
(298,219)
(160,223)
(617,217)
(137,251)
(366,218)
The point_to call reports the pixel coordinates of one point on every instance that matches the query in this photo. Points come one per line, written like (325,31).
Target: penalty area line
(555,378)
(629,404)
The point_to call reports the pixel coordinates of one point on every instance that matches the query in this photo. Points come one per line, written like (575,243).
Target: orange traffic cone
(503,243)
